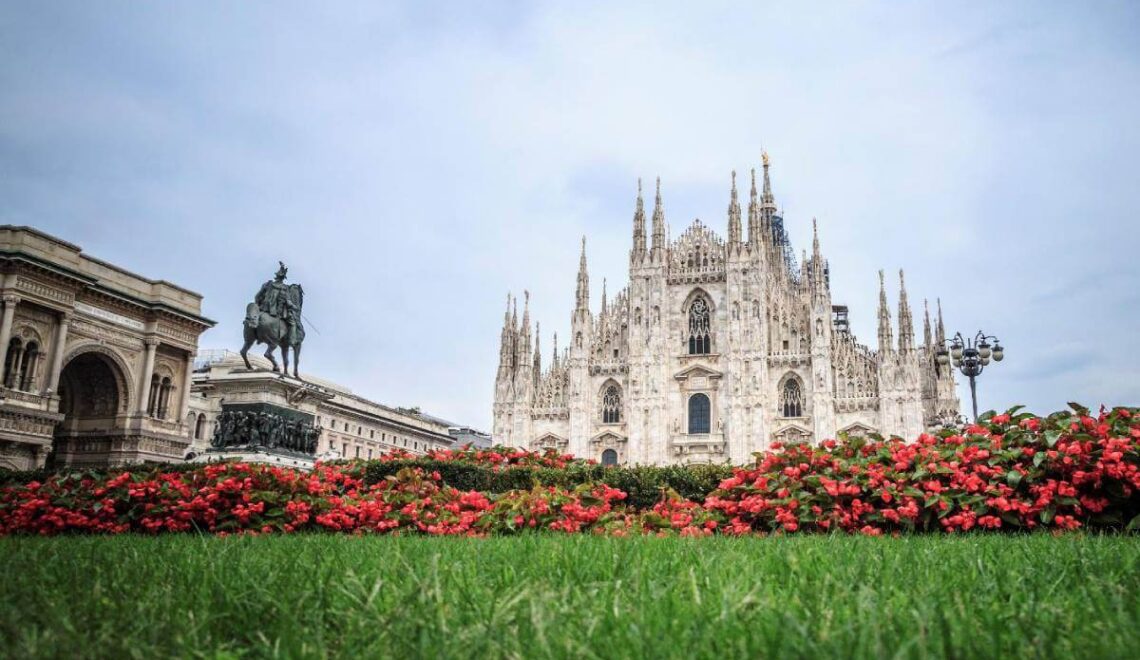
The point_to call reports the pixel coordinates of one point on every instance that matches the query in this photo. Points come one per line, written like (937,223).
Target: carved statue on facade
(241,428)
(274,319)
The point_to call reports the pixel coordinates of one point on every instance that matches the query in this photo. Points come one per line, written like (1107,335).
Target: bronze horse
(287,333)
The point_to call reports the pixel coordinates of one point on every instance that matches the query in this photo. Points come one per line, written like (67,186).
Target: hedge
(643,484)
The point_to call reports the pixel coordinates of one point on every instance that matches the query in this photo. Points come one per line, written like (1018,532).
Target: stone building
(350,426)
(465,435)
(96,360)
(717,348)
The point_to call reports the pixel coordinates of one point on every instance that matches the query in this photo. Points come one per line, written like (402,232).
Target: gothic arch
(698,312)
(119,369)
(611,401)
(790,395)
(698,292)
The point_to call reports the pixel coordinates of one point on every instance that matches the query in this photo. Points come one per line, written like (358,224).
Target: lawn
(571,596)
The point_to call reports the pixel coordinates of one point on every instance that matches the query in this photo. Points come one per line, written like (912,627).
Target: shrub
(1012,471)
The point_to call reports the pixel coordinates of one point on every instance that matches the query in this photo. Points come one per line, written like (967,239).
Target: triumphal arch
(97,361)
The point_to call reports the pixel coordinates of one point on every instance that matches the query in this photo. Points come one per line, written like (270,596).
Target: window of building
(344,450)
(20,365)
(358,451)
(10,363)
(199,427)
(371,434)
(791,398)
(609,457)
(152,400)
(165,388)
(699,414)
(700,338)
(369,453)
(159,402)
(611,405)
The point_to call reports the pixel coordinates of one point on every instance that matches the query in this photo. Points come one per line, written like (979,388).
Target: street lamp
(970,357)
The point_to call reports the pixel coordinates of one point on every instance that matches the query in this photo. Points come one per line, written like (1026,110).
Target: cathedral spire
(733,216)
(537,373)
(753,214)
(940,330)
(505,340)
(906,323)
(886,340)
(604,306)
(583,293)
(815,256)
(524,331)
(767,200)
(818,270)
(927,338)
(658,225)
(554,357)
(638,227)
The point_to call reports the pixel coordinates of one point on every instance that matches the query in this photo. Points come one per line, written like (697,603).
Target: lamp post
(970,356)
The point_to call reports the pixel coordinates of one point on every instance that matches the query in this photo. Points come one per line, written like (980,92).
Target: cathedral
(717,348)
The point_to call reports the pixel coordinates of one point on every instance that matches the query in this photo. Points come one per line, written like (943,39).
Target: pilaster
(145,375)
(10,302)
(62,326)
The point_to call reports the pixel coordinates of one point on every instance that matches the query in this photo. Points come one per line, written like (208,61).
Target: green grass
(554,596)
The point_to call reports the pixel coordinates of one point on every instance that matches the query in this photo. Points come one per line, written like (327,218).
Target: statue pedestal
(281,458)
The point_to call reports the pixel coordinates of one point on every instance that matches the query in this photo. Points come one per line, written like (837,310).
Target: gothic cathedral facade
(715,350)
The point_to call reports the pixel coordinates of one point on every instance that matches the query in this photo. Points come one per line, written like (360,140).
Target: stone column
(57,354)
(185,408)
(17,367)
(10,302)
(144,377)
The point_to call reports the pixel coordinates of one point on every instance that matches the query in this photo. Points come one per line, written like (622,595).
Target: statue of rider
(273,298)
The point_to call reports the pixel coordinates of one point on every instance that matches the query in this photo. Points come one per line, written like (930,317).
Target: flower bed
(1013,471)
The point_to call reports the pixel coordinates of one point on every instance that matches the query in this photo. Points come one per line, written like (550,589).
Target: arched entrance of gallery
(93,397)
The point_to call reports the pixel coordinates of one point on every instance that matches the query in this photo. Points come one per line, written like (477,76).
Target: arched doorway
(91,398)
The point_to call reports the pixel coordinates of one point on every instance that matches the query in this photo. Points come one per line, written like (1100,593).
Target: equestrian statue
(274,319)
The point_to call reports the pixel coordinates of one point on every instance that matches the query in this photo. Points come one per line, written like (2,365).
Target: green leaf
(1013,478)
(1133,524)
(1051,437)
(1078,408)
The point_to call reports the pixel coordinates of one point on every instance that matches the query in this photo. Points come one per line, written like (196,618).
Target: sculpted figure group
(240,428)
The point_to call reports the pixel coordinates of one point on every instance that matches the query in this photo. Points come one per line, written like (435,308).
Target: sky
(413,162)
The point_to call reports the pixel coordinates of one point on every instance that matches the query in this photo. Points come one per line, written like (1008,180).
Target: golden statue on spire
(764,157)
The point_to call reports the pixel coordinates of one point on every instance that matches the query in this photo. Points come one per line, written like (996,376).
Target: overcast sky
(411,164)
